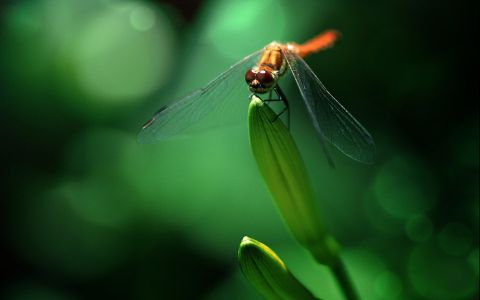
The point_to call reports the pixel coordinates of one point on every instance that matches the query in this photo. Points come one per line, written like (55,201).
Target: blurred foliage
(87,213)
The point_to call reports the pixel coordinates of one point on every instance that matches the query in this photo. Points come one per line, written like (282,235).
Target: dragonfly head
(261,80)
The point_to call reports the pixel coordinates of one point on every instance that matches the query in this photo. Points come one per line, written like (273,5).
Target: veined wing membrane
(210,100)
(330,119)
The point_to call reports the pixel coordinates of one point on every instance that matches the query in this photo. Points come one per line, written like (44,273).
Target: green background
(87,213)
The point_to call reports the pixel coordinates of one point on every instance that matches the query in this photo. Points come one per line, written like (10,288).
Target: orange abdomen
(320,42)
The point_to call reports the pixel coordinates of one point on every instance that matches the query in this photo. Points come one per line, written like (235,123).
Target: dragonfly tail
(320,42)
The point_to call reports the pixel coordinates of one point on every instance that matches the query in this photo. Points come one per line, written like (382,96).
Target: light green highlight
(142,18)
(237,25)
(120,56)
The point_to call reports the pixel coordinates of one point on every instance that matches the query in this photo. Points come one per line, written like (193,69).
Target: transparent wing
(205,105)
(330,119)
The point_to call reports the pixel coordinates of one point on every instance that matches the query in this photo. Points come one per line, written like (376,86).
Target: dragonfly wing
(330,119)
(209,102)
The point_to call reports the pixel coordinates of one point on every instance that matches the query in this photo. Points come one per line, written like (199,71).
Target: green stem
(341,275)
(327,252)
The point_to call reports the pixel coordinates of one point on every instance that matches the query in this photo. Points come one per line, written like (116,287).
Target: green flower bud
(284,172)
(268,274)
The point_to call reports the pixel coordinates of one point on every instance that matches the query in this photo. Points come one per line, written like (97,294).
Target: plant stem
(343,279)
(327,252)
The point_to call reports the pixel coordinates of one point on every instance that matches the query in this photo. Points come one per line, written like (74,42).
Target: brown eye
(249,76)
(265,78)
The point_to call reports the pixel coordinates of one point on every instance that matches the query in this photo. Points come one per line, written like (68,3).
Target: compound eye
(249,76)
(265,78)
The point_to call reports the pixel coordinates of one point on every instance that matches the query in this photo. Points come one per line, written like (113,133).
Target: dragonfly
(261,71)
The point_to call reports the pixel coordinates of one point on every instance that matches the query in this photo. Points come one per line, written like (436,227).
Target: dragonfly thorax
(261,80)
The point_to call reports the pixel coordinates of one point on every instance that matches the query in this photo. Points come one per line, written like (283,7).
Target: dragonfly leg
(270,99)
(281,97)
